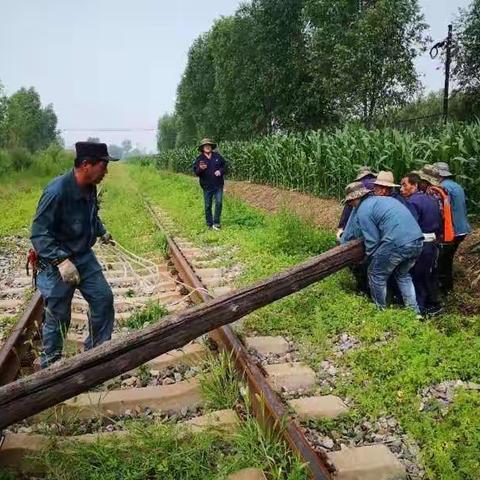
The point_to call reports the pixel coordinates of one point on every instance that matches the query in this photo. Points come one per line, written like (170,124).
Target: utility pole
(447,46)
(448,60)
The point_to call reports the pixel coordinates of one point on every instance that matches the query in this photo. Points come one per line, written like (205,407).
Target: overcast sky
(117,63)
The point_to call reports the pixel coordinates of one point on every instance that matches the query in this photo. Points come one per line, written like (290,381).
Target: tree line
(25,123)
(293,65)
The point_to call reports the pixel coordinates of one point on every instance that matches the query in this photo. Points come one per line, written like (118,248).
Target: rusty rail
(267,405)
(19,341)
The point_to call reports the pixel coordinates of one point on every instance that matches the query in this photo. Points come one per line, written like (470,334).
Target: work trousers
(445,263)
(396,261)
(208,196)
(57,296)
(425,277)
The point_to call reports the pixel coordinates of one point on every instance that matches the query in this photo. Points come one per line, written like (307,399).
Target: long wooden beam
(31,395)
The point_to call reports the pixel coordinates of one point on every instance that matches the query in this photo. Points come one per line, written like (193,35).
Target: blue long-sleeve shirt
(459,207)
(426,212)
(66,223)
(382,222)
(208,180)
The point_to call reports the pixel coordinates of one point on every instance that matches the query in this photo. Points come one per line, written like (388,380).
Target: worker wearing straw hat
(392,238)
(210,168)
(430,184)
(461,227)
(366,177)
(384,186)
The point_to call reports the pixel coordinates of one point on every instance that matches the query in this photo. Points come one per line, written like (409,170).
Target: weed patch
(148,315)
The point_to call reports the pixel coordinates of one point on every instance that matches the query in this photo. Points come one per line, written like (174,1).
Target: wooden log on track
(31,395)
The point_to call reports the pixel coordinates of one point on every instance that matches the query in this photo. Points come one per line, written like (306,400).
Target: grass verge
(395,356)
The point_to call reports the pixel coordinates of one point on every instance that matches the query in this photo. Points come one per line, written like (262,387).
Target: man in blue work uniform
(210,168)
(461,226)
(64,230)
(426,211)
(392,238)
(385,186)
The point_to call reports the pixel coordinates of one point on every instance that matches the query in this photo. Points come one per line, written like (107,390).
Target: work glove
(339,234)
(69,273)
(107,239)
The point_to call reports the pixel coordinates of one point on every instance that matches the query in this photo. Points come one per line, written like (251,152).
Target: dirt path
(323,212)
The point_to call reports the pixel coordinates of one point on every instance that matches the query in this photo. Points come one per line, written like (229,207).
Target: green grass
(167,452)
(148,315)
(385,377)
(218,383)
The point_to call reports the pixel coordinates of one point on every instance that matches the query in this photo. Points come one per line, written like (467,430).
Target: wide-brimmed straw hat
(429,174)
(385,179)
(363,172)
(355,190)
(443,169)
(207,141)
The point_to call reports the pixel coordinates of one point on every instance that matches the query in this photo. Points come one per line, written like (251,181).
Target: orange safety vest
(446,211)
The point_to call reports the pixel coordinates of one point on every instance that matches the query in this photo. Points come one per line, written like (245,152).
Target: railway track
(281,388)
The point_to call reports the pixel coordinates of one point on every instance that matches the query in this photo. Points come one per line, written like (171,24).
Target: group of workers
(410,238)
(410,232)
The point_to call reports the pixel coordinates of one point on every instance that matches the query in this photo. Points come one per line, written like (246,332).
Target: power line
(108,129)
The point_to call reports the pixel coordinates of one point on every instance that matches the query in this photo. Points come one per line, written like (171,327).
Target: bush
(52,161)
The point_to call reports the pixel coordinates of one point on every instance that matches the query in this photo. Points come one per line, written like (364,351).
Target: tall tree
(193,92)
(167,132)
(364,53)
(126,147)
(467,55)
(26,123)
(3,111)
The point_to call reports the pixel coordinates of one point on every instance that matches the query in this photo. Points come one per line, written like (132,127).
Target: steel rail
(266,403)
(20,340)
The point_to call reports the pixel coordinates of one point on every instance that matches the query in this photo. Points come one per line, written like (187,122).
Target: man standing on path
(392,238)
(210,168)
(461,227)
(426,211)
(64,230)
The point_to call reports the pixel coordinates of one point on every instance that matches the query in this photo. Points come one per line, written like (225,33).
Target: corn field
(322,162)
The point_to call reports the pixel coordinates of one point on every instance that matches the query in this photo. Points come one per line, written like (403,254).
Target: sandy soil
(323,212)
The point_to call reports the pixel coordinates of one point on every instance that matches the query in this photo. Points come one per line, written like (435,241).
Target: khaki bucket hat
(207,141)
(385,179)
(355,190)
(429,174)
(443,169)
(362,172)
